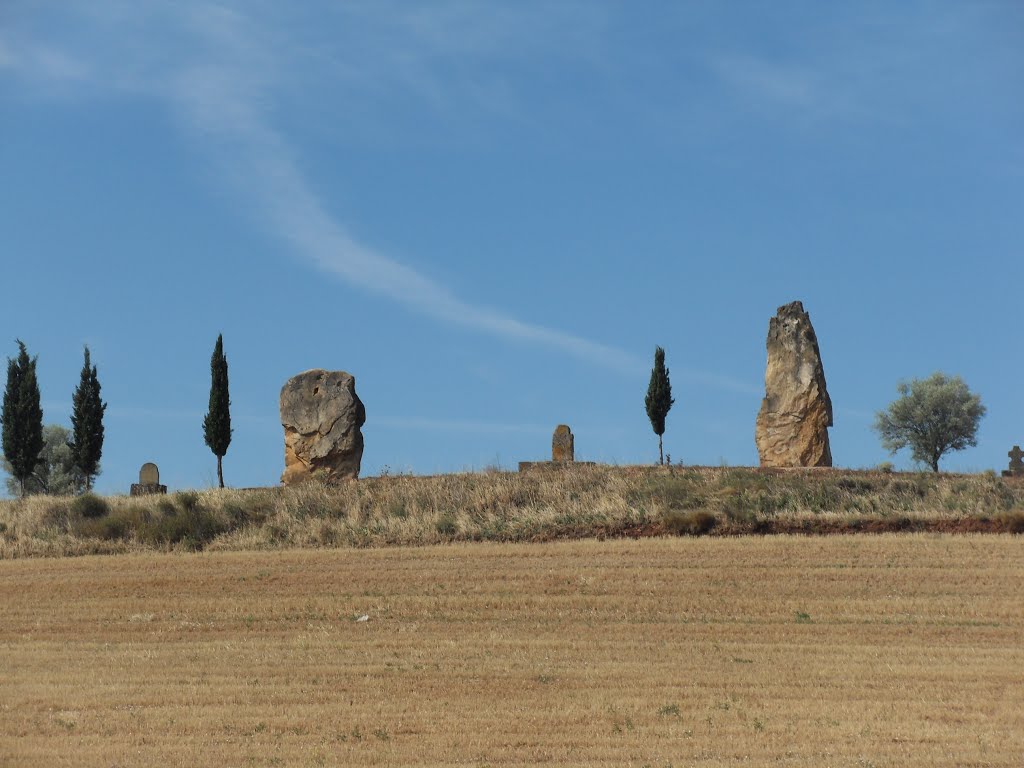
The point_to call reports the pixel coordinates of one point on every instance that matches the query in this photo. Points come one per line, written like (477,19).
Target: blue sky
(491,213)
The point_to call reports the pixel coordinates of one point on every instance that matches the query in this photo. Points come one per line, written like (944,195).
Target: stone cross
(1016,465)
(562,449)
(149,481)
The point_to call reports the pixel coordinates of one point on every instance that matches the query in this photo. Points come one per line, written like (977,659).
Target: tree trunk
(935,464)
(220,472)
(88,483)
(661,456)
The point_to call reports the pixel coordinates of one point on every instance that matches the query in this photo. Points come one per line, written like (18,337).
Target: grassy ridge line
(578,502)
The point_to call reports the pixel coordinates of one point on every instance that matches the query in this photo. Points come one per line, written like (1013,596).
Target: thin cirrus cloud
(262,168)
(788,86)
(219,72)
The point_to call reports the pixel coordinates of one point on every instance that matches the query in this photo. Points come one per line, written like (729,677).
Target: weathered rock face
(792,426)
(322,416)
(562,444)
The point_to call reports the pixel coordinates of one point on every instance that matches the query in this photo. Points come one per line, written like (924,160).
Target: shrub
(673,492)
(907,488)
(1013,521)
(447,526)
(253,508)
(855,485)
(193,527)
(187,500)
(107,528)
(235,513)
(90,506)
(689,523)
(820,497)
(56,513)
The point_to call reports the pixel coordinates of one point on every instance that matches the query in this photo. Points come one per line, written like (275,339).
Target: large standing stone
(792,426)
(322,417)
(562,448)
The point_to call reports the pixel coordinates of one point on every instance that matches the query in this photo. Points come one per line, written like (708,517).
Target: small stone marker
(149,474)
(563,453)
(1016,463)
(149,481)
(562,444)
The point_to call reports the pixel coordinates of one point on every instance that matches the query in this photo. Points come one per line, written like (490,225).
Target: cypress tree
(217,424)
(87,423)
(659,398)
(22,417)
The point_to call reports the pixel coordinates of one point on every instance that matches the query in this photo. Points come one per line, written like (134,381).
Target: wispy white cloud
(42,63)
(804,90)
(787,85)
(223,74)
(879,64)
(226,97)
(225,85)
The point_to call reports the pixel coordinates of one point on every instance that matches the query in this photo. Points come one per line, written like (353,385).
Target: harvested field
(890,650)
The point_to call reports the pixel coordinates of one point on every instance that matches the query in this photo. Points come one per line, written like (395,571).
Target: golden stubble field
(896,650)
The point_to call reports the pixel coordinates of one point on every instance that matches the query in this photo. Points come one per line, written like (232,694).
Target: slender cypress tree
(659,398)
(217,424)
(22,417)
(87,423)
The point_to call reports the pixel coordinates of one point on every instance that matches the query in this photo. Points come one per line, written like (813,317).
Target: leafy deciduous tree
(932,416)
(55,472)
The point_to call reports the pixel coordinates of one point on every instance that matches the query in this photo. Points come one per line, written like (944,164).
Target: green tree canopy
(87,423)
(659,398)
(22,417)
(932,417)
(217,424)
(55,472)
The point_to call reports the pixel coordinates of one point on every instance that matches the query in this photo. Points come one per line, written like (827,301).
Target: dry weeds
(888,650)
(580,502)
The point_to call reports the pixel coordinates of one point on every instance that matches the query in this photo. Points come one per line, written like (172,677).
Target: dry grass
(886,650)
(536,506)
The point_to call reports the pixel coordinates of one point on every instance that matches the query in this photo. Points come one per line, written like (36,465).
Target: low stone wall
(147,489)
(526,466)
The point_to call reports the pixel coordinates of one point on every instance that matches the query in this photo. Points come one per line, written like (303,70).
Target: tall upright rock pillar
(792,426)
